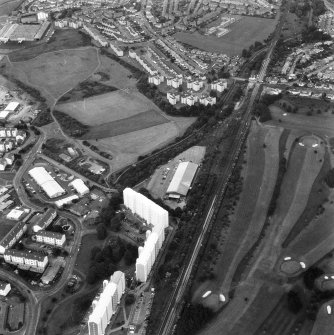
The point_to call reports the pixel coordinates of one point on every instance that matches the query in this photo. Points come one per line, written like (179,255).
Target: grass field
(319,124)
(61,39)
(127,147)
(257,219)
(56,72)
(303,167)
(140,121)
(242,35)
(7,6)
(324,324)
(109,107)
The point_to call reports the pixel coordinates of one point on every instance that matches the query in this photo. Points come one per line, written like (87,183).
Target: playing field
(109,107)
(56,72)
(242,35)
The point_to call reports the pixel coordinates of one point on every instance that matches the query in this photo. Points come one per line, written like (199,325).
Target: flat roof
(183,178)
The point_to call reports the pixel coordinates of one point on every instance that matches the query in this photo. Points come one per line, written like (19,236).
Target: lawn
(56,72)
(242,35)
(108,107)
(61,39)
(140,121)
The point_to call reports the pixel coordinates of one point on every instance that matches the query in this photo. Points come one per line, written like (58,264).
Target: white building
(118,51)
(26,260)
(61,202)
(95,34)
(182,179)
(12,107)
(12,237)
(106,304)
(145,208)
(219,85)
(50,237)
(44,220)
(4,288)
(173,98)
(46,182)
(79,186)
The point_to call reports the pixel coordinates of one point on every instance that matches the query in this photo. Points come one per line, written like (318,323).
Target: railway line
(182,283)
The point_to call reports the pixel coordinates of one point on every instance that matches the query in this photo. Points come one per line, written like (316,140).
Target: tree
(101,231)
(294,302)
(130,299)
(330,178)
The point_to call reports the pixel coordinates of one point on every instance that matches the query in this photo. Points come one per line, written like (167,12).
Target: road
(183,281)
(36,298)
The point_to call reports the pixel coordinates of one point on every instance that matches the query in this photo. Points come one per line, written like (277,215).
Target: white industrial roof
(15,214)
(183,178)
(45,180)
(4,114)
(61,202)
(12,106)
(79,186)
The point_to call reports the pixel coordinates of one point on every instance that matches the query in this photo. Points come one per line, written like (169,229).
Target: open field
(256,221)
(250,213)
(303,167)
(140,121)
(322,125)
(7,6)
(109,107)
(127,147)
(324,324)
(307,106)
(61,39)
(242,35)
(56,72)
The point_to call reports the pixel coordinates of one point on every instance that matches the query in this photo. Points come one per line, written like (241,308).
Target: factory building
(79,186)
(145,208)
(46,182)
(182,179)
(106,304)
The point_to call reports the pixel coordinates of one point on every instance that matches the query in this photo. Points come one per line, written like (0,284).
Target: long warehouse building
(181,182)
(46,182)
(145,208)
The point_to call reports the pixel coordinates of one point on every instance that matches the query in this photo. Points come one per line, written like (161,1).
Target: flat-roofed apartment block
(4,288)
(12,236)
(50,237)
(106,304)
(24,260)
(45,220)
(155,216)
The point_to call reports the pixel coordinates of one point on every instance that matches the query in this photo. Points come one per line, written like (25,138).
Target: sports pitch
(242,35)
